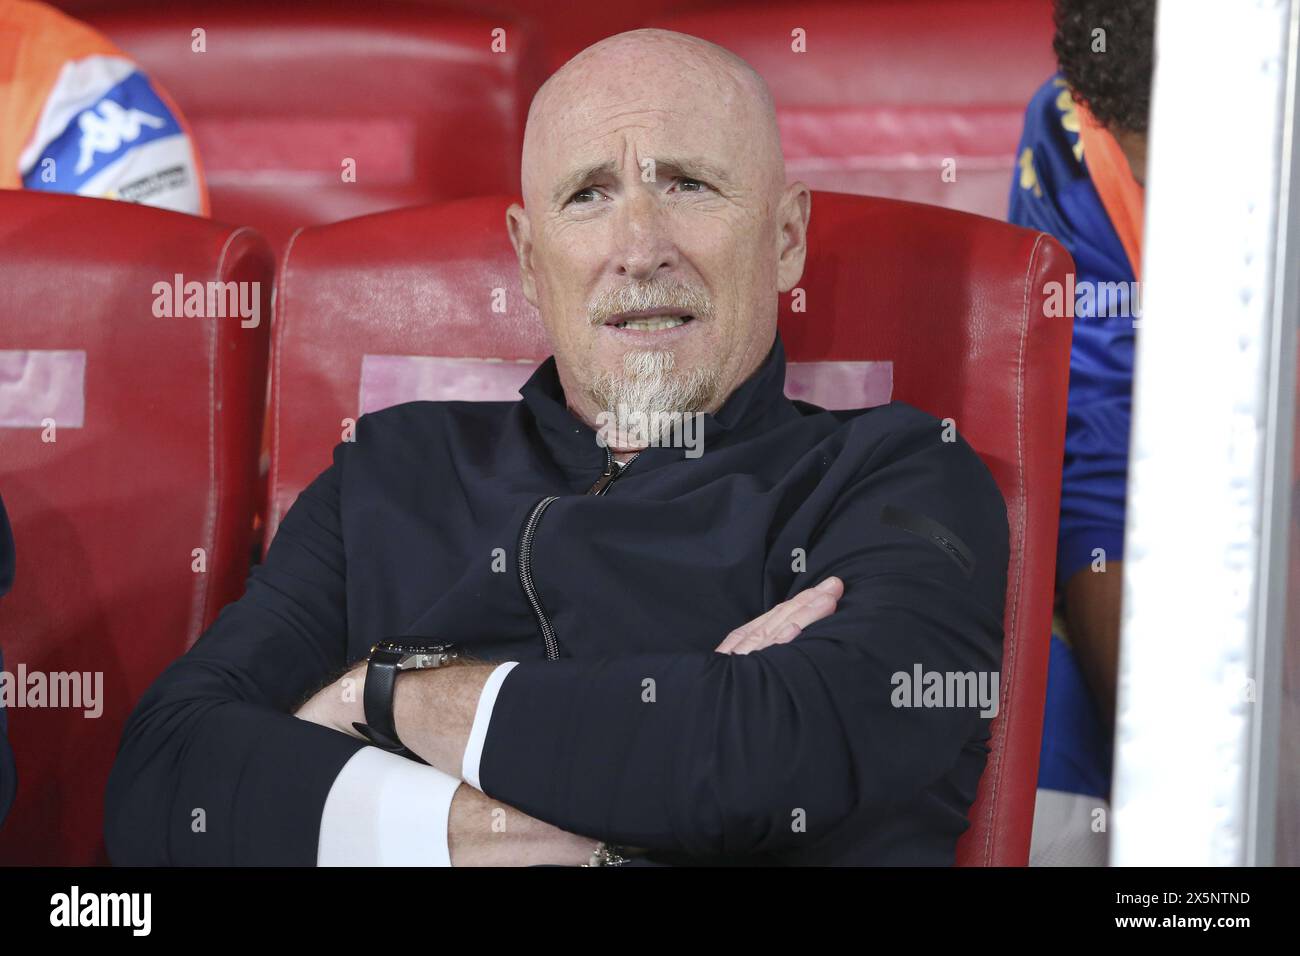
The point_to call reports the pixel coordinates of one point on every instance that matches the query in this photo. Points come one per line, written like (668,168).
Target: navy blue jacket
(637,732)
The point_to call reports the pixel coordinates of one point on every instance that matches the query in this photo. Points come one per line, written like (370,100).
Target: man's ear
(792,235)
(520,231)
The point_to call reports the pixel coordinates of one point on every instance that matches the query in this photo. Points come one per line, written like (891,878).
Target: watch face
(412,647)
(415,655)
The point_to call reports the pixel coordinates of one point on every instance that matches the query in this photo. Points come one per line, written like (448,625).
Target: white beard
(642,403)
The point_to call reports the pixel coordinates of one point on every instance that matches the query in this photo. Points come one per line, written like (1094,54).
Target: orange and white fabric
(79,116)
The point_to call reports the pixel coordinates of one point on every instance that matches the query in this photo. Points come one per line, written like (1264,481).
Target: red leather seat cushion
(106,517)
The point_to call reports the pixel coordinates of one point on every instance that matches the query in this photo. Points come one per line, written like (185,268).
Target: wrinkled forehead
(665,107)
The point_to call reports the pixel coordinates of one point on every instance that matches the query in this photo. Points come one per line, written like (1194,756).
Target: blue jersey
(1052,192)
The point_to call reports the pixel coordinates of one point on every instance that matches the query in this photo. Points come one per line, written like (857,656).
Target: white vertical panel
(1198,690)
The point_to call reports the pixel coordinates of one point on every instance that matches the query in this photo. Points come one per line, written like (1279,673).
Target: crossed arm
(216,769)
(434,711)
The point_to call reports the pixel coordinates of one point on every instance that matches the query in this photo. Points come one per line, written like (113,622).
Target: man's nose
(643,242)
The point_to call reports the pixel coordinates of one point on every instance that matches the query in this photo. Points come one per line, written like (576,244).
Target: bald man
(653,612)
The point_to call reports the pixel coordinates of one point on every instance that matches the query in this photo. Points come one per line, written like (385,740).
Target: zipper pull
(611,472)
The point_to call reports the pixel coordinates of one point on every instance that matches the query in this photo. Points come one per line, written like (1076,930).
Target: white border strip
(1191,733)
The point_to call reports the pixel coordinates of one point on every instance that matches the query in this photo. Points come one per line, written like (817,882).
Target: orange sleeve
(1120,193)
(35,41)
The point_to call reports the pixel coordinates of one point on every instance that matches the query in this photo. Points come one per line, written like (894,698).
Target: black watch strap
(387,660)
(381,681)
(380,727)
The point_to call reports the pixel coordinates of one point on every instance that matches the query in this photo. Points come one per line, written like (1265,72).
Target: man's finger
(731,640)
(787,628)
(762,630)
(782,635)
(817,604)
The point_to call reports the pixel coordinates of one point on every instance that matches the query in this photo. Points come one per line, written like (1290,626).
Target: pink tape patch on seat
(38,384)
(840,385)
(388,380)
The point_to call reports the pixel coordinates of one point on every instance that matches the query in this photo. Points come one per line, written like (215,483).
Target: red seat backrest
(953,301)
(886,91)
(890,89)
(154,455)
(285,92)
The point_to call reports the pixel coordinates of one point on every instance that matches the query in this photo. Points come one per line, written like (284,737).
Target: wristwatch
(606,854)
(388,659)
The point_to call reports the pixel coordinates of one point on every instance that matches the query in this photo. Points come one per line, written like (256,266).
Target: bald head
(653,69)
(657,226)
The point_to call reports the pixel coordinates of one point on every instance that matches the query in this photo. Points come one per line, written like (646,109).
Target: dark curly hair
(1115,85)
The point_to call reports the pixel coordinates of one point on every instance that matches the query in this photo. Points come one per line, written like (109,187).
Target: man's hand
(486,832)
(337,705)
(784,622)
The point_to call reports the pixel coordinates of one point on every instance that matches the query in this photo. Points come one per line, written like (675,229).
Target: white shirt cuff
(482,716)
(386,810)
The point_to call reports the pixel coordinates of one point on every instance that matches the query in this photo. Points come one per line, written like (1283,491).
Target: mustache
(677,296)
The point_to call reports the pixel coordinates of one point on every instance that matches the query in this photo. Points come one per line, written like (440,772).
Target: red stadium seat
(155,428)
(886,91)
(890,89)
(286,91)
(950,304)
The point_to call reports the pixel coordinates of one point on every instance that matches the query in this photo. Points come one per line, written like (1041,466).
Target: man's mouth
(657,321)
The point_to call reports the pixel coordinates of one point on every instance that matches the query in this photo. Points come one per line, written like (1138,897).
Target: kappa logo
(106,130)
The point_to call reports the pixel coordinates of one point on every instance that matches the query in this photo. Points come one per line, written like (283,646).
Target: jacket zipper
(607,478)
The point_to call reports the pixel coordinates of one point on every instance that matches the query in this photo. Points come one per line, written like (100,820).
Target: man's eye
(686,181)
(590,190)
